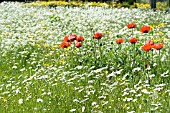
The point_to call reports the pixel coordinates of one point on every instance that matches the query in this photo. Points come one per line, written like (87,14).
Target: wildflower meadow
(87,59)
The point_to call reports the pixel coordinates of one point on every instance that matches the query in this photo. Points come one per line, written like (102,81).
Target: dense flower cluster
(144,29)
(70,39)
(151,45)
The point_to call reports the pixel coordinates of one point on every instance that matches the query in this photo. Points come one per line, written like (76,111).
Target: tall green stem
(134,53)
(100,63)
(152,56)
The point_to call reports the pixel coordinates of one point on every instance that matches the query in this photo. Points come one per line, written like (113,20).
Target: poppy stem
(159,58)
(65,57)
(94,51)
(100,63)
(146,66)
(144,61)
(159,53)
(153,62)
(77,55)
(145,37)
(134,53)
(152,57)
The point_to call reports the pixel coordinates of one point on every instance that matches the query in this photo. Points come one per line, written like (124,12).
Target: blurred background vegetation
(130,2)
(160,4)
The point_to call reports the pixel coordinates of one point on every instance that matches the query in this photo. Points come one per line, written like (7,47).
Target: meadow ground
(115,69)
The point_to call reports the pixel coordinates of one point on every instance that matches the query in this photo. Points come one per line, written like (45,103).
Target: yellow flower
(106,72)
(53,48)
(57,46)
(46,45)
(160,33)
(46,65)
(3,99)
(38,45)
(161,24)
(119,79)
(152,26)
(160,40)
(75,51)
(62,61)
(68,48)
(49,54)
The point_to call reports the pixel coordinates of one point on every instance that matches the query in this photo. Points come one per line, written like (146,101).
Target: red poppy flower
(72,37)
(80,39)
(66,39)
(146,47)
(119,41)
(78,44)
(158,46)
(150,42)
(97,35)
(145,29)
(131,25)
(65,44)
(133,40)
